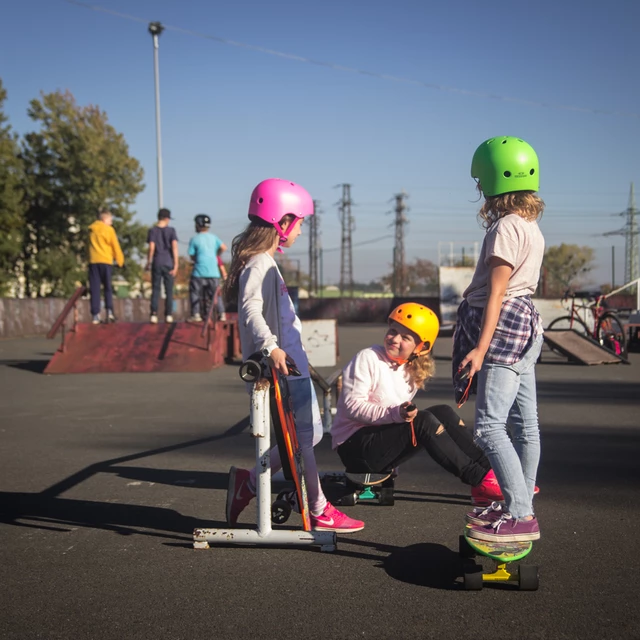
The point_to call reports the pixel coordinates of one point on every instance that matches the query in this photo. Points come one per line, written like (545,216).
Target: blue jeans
(160,275)
(100,273)
(203,290)
(507,395)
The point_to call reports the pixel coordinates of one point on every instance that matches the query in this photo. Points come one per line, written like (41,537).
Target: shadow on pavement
(46,510)
(34,366)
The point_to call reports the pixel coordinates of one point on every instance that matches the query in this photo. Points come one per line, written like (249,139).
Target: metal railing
(72,305)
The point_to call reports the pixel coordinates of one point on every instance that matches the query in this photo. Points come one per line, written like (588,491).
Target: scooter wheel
(280,511)
(349,500)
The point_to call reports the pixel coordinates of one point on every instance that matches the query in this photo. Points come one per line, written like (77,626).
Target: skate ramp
(577,347)
(141,347)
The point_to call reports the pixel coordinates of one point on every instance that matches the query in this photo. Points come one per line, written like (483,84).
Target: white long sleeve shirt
(266,316)
(373,388)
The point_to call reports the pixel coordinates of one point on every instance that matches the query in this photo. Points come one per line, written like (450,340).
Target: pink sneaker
(239,494)
(333,520)
(489,491)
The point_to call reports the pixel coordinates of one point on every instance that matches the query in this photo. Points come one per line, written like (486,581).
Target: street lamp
(155,29)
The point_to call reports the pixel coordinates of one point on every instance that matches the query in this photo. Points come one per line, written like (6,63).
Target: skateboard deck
(499,551)
(367,479)
(290,453)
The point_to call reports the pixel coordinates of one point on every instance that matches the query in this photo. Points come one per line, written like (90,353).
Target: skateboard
(363,487)
(503,554)
(284,424)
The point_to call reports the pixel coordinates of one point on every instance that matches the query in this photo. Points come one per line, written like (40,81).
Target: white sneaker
(223,317)
(153,319)
(95,320)
(196,317)
(169,319)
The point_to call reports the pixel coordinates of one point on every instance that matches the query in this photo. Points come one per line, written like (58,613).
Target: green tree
(11,201)
(421,276)
(75,164)
(563,265)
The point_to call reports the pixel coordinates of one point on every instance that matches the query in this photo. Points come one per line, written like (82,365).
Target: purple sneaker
(483,516)
(506,529)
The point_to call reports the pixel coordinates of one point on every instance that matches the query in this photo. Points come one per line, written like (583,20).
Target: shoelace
(494,506)
(504,518)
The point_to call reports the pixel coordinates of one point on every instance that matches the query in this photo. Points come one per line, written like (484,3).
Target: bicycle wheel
(565,323)
(611,334)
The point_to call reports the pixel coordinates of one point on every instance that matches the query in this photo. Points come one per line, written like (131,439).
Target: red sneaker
(239,494)
(489,491)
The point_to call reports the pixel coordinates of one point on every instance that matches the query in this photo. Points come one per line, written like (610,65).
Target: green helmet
(505,164)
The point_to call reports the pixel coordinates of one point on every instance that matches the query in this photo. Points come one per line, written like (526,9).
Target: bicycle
(598,324)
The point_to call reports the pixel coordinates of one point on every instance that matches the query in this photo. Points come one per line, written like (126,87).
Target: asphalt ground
(105,476)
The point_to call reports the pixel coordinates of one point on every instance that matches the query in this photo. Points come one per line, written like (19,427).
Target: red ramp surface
(141,347)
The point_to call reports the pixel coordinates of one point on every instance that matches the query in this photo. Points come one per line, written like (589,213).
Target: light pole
(155,29)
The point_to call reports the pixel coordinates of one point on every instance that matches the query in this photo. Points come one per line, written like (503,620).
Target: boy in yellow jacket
(104,248)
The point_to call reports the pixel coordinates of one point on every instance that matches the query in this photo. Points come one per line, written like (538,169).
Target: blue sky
(232,116)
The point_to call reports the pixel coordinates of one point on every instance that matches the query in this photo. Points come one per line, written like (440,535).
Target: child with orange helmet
(377,427)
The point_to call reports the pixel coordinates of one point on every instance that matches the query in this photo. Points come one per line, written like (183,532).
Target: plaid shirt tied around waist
(519,323)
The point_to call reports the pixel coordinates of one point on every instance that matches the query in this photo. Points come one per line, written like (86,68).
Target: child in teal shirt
(204,249)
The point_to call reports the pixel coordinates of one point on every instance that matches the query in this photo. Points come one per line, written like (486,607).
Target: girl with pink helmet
(268,323)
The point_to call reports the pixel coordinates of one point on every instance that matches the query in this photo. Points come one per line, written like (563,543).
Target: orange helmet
(419,319)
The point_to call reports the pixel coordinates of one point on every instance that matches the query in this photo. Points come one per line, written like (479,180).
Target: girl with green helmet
(498,335)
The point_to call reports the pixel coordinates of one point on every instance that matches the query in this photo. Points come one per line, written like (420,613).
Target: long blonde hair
(527,204)
(258,237)
(420,370)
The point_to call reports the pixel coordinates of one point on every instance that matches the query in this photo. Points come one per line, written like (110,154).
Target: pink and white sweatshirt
(373,388)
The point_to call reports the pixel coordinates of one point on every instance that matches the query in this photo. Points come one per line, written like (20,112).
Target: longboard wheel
(472,577)
(464,549)
(528,577)
(386,498)
(349,500)
(280,511)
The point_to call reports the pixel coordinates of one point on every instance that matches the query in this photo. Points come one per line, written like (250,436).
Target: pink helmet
(274,198)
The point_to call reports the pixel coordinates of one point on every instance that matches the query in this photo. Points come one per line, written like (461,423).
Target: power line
(381,76)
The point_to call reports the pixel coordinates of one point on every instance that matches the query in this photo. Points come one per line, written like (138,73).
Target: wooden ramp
(576,346)
(142,347)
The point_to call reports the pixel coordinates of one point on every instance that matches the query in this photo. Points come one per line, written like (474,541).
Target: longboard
(362,487)
(502,553)
(284,424)
(499,551)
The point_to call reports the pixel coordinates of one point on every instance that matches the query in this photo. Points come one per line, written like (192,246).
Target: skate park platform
(105,476)
(129,347)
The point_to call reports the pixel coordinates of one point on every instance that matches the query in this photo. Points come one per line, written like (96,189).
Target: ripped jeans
(309,432)
(438,429)
(507,396)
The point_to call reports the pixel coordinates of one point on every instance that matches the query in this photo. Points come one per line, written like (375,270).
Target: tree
(75,165)
(11,205)
(421,276)
(563,265)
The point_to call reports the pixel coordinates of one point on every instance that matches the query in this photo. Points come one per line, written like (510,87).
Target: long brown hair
(527,204)
(259,236)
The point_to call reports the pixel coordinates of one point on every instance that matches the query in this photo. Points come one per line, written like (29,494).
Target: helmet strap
(417,352)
